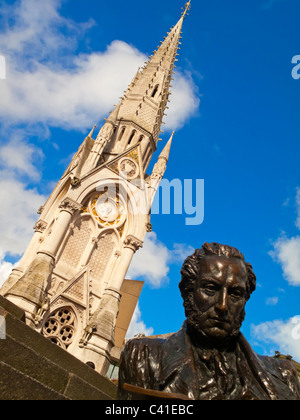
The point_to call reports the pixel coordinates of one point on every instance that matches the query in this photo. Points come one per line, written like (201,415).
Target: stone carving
(89,330)
(75,182)
(133,243)
(70,206)
(105,133)
(40,210)
(209,358)
(44,307)
(40,226)
(159,169)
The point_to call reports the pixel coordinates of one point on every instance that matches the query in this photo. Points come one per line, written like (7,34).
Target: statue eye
(237,293)
(210,288)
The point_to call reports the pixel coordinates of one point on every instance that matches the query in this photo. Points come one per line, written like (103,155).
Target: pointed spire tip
(187,8)
(92,132)
(165,154)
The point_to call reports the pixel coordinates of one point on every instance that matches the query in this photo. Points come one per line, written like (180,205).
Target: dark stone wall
(34,368)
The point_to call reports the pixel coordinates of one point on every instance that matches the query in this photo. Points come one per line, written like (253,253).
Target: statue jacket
(174,365)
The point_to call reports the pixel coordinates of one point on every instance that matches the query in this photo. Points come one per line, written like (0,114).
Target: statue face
(220,296)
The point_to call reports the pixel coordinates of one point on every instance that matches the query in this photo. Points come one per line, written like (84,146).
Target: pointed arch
(131,137)
(76,242)
(155,90)
(122,132)
(101,260)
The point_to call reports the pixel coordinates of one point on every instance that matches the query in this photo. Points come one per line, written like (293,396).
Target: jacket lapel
(179,373)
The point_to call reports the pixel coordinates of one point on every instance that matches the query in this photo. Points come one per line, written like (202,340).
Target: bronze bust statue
(209,358)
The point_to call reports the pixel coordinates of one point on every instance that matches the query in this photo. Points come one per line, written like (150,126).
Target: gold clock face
(129,168)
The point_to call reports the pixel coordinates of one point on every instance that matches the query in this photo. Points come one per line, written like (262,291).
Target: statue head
(216,284)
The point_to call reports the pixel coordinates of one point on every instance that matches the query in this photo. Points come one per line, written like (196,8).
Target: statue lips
(219,322)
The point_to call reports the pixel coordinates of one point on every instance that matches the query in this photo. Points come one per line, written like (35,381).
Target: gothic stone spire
(147,97)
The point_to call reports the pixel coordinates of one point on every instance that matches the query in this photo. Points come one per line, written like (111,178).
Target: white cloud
(33,28)
(283,336)
(153,261)
(272,301)
(287,253)
(64,89)
(21,157)
(18,209)
(19,205)
(280,336)
(137,325)
(180,252)
(5,270)
(184,101)
(70,98)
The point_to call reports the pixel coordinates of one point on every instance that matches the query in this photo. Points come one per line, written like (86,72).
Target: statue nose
(222,303)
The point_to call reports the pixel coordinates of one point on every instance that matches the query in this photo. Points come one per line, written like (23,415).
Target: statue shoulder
(139,363)
(285,369)
(144,345)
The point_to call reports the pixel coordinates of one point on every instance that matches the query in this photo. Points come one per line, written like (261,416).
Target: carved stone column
(131,245)
(30,291)
(68,207)
(28,256)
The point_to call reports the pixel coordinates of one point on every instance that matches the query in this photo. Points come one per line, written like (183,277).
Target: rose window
(108,210)
(60,327)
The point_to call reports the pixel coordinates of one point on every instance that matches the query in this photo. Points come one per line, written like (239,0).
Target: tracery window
(60,327)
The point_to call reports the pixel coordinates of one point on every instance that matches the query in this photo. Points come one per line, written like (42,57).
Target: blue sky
(235,109)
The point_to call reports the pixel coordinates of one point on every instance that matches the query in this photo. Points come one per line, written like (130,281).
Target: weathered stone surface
(12,309)
(33,364)
(14,385)
(32,367)
(78,389)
